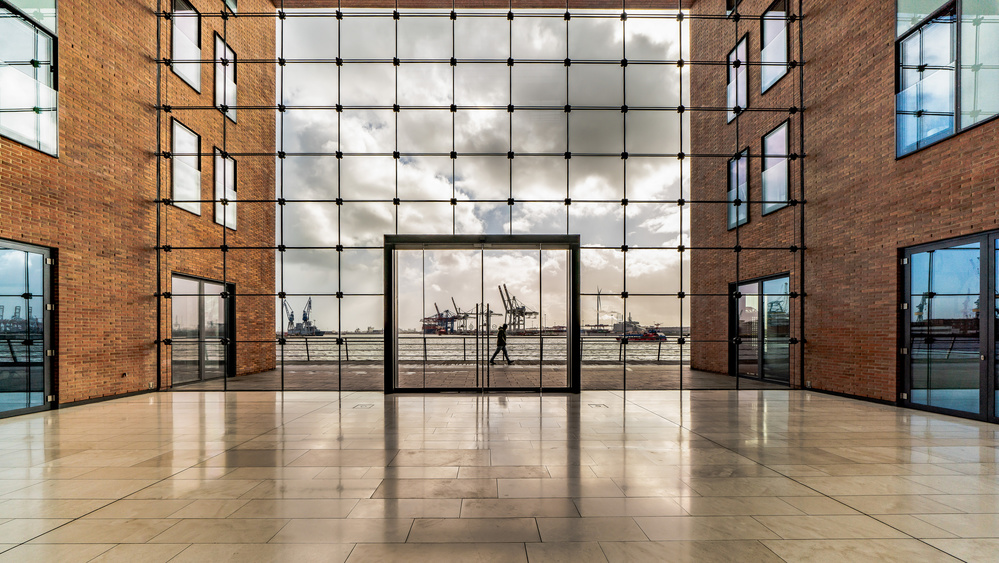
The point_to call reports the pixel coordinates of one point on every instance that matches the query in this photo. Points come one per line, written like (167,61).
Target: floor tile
(828,527)
(435,488)
(660,528)
(484,530)
(107,530)
(23,529)
(555,488)
(733,506)
(963,525)
(209,509)
(571,552)
(590,507)
(349,530)
(71,553)
(406,508)
(219,530)
(981,550)
(140,553)
(264,553)
(896,504)
(611,528)
(722,551)
(836,551)
(437,552)
(512,508)
(140,509)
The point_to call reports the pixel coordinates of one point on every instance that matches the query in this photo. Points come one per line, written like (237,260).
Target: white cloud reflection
(377,178)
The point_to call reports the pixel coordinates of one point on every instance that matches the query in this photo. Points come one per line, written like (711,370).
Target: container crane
(291,316)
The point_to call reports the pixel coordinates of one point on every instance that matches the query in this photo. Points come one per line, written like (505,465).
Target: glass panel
(427,131)
(482,84)
(737,92)
(911,12)
(596,85)
(653,132)
(185,330)
(776,318)
(186,169)
(186,44)
(775,169)
(357,34)
(424,38)
(43,12)
(748,329)
(540,132)
(482,38)
(925,102)
(481,131)
(539,85)
(225,77)
(979,60)
(738,189)
(538,38)
(31,110)
(225,187)
(214,330)
(944,328)
(596,131)
(774,52)
(425,84)
(596,38)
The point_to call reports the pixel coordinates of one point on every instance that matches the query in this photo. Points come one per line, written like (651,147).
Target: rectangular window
(29,103)
(43,12)
(225,190)
(737,93)
(924,103)
(186,43)
(738,190)
(225,78)
(773,53)
(775,169)
(979,61)
(231,4)
(186,169)
(948,69)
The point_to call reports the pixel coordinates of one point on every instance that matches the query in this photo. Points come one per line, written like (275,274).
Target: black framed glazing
(948,320)
(737,193)
(30,112)
(394,243)
(185,43)
(775,172)
(185,168)
(775,44)
(225,78)
(225,189)
(766,339)
(737,83)
(27,340)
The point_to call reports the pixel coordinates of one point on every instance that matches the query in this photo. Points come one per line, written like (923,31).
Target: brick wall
(94,204)
(863,204)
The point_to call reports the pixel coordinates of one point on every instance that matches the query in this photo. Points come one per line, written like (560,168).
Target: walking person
(501,345)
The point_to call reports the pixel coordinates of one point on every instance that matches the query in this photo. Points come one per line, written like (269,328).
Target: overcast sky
(460,274)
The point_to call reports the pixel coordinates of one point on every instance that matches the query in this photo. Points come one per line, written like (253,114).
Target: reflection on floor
(601,476)
(358,376)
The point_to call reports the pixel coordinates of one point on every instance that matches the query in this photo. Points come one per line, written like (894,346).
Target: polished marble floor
(602,476)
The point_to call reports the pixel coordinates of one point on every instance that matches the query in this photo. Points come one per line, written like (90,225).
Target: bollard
(659,353)
(307,357)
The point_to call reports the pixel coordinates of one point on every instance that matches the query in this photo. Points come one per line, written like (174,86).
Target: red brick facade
(95,203)
(863,204)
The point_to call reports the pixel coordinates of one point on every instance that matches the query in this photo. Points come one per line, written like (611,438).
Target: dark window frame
(216,60)
(744,155)
(787,44)
(172,31)
(763,167)
(733,326)
(217,153)
(729,69)
(173,179)
(53,68)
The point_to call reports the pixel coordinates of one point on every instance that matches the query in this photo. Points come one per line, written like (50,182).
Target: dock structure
(517,313)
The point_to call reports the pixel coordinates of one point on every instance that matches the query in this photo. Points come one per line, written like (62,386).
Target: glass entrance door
(761,330)
(945,329)
(472,315)
(25,328)
(201,330)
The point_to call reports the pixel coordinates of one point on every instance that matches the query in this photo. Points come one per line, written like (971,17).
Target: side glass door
(945,328)
(200,321)
(24,328)
(747,329)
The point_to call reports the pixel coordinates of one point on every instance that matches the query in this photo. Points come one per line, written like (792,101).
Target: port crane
(516,312)
(291,315)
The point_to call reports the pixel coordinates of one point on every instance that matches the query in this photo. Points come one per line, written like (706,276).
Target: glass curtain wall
(475,121)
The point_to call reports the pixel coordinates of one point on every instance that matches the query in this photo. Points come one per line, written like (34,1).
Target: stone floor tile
(836,551)
(437,552)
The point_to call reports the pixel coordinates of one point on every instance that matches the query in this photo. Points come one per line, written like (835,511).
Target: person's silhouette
(501,345)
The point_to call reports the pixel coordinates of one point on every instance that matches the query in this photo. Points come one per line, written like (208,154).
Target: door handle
(983,357)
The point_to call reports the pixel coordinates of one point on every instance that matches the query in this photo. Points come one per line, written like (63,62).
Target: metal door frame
(987,314)
(393,243)
(48,329)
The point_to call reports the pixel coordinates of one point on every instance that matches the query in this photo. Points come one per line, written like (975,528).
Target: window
(29,103)
(775,169)
(773,53)
(737,92)
(231,4)
(225,189)
(731,4)
(225,78)
(924,104)
(738,190)
(761,323)
(186,169)
(186,43)
(948,69)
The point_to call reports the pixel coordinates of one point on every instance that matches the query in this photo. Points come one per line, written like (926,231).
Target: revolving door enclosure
(446,297)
